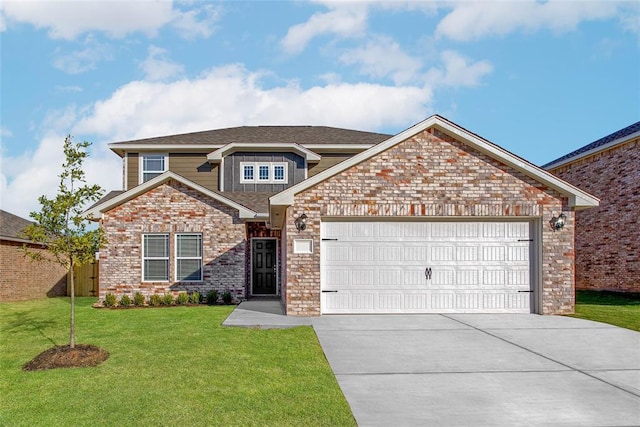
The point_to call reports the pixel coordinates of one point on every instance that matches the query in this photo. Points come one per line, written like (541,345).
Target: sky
(538,78)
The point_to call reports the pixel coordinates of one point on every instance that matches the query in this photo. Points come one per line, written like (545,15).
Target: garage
(397,266)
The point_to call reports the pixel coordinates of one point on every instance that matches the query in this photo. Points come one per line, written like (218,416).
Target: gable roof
(115,199)
(214,139)
(618,137)
(577,198)
(11,227)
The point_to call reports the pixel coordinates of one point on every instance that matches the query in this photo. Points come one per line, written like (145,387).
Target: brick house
(433,219)
(607,237)
(20,277)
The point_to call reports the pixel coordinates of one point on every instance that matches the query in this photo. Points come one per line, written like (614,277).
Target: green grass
(167,366)
(609,307)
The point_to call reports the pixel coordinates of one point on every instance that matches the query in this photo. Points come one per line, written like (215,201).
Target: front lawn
(167,366)
(609,307)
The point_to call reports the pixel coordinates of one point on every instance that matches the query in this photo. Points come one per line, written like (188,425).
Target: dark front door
(263,253)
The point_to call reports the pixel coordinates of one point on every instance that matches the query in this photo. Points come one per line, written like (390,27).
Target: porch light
(557,222)
(301,222)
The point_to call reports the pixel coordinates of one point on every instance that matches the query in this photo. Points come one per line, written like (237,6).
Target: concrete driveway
(484,370)
(475,369)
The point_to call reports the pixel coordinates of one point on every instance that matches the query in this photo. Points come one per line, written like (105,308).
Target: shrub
(227,297)
(212,297)
(125,301)
(110,300)
(138,299)
(155,300)
(167,299)
(183,298)
(194,298)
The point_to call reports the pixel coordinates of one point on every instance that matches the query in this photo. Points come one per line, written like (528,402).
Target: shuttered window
(188,257)
(155,257)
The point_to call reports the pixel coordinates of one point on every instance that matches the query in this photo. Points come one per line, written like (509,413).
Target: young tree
(60,226)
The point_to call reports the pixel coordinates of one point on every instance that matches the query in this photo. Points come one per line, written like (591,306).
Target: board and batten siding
(232,171)
(193,166)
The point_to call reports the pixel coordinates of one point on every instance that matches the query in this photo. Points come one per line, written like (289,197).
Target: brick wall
(608,237)
(430,175)
(24,279)
(173,208)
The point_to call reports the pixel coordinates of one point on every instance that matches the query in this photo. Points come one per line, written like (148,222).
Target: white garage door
(425,267)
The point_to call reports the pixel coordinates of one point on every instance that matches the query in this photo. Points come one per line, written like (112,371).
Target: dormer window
(152,165)
(267,173)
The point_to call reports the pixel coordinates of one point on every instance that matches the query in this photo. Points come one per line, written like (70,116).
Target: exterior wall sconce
(301,222)
(557,222)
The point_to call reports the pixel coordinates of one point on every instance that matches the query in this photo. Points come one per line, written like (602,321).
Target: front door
(263,266)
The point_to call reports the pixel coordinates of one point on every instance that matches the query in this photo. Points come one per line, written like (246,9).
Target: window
(152,165)
(155,257)
(267,173)
(247,173)
(263,172)
(278,173)
(189,257)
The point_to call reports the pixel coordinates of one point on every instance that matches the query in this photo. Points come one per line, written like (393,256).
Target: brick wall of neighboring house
(430,175)
(608,237)
(23,279)
(173,208)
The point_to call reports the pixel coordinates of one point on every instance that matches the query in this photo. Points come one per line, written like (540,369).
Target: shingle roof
(110,195)
(267,134)
(257,202)
(12,225)
(631,129)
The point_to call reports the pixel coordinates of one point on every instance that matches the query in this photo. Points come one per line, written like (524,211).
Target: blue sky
(537,78)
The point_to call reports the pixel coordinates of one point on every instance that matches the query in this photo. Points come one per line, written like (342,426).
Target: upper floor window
(152,165)
(267,173)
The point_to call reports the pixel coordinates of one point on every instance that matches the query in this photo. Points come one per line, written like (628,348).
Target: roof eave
(557,163)
(220,153)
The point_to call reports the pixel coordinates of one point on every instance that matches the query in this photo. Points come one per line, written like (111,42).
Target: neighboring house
(607,237)
(21,278)
(434,219)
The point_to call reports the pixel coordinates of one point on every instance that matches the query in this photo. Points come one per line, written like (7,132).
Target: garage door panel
(379,267)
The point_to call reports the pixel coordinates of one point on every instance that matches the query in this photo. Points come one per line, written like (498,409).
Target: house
(607,237)
(433,219)
(21,278)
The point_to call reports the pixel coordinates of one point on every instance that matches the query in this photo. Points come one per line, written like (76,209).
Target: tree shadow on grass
(25,322)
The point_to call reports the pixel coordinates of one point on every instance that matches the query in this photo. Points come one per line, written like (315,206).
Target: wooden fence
(86,280)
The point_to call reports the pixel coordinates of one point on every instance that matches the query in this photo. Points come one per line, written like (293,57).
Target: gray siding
(232,171)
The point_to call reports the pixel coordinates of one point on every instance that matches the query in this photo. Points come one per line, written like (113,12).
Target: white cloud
(382,57)
(344,20)
(83,60)
(196,23)
(69,19)
(233,96)
(157,65)
(27,177)
(5,132)
(458,71)
(473,20)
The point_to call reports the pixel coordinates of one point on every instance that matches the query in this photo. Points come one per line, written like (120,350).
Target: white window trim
(167,258)
(141,157)
(176,258)
(256,173)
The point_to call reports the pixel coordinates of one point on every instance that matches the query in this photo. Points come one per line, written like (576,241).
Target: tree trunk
(72,333)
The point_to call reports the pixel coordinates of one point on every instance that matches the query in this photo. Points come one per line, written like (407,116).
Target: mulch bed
(63,356)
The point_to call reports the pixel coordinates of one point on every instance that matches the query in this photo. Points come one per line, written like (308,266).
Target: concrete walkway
(476,369)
